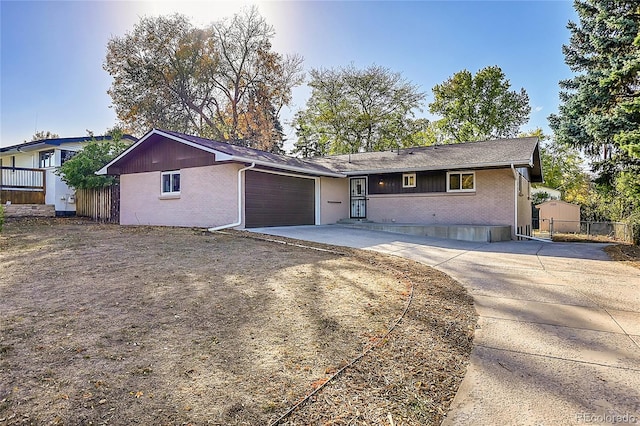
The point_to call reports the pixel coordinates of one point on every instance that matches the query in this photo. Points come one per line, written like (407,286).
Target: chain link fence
(617,231)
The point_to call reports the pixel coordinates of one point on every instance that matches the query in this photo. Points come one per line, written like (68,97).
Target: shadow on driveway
(558,339)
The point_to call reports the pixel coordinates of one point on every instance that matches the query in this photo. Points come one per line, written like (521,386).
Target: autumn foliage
(222,81)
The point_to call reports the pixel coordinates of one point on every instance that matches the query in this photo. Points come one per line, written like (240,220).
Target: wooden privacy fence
(102,204)
(22,186)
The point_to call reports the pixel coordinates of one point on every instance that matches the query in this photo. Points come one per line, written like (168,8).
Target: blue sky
(51,52)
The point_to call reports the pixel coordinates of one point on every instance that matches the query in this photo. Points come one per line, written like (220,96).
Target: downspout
(239,221)
(515,209)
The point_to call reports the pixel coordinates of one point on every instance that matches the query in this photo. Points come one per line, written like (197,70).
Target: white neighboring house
(27,172)
(554,194)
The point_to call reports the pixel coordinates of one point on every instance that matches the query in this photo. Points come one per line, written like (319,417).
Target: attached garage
(174,179)
(278,200)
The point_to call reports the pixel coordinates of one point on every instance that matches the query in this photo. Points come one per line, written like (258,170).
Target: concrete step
(348,221)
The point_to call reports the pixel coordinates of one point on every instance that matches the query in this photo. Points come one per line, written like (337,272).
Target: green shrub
(1,216)
(79,171)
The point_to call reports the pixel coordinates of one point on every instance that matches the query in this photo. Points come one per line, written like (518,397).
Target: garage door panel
(278,200)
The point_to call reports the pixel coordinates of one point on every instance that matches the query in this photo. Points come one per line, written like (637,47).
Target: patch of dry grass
(582,238)
(627,253)
(105,324)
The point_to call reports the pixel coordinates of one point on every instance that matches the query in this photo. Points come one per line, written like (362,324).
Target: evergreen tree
(600,106)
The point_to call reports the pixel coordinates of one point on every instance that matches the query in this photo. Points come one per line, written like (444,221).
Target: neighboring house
(565,216)
(27,172)
(554,194)
(169,178)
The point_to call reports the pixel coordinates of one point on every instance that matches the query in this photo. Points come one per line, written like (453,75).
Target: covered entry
(358,197)
(278,200)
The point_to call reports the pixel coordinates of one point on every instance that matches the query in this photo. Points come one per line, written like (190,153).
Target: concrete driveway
(558,339)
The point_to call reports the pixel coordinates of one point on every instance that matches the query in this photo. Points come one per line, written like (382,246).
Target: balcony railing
(22,186)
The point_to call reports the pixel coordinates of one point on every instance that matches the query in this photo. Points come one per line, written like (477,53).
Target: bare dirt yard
(103,324)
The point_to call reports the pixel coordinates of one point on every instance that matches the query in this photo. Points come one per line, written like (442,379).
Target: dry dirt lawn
(103,324)
(626,253)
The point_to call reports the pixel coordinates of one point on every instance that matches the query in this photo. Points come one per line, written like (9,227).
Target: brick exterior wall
(29,210)
(491,204)
(208,197)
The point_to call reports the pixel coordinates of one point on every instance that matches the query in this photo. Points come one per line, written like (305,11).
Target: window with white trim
(461,181)
(170,182)
(408,180)
(46,159)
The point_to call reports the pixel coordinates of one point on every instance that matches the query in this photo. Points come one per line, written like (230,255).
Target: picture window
(461,181)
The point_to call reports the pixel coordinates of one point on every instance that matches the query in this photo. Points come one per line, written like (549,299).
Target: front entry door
(358,198)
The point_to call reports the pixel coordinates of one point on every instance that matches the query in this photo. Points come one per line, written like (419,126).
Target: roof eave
(227,157)
(28,148)
(35,145)
(536,150)
(220,156)
(103,171)
(435,168)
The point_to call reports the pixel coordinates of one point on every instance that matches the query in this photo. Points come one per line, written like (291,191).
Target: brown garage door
(277,200)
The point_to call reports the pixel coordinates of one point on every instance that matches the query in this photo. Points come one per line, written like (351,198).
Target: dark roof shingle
(517,152)
(471,155)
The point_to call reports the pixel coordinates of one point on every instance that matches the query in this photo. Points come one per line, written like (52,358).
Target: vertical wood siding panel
(162,154)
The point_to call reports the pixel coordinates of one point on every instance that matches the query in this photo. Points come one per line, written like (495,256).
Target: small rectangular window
(408,180)
(170,182)
(46,159)
(461,181)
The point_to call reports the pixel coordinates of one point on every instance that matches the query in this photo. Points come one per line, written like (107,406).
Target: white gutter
(515,209)
(515,200)
(239,221)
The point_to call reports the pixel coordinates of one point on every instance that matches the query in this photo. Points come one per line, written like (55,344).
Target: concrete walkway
(558,339)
